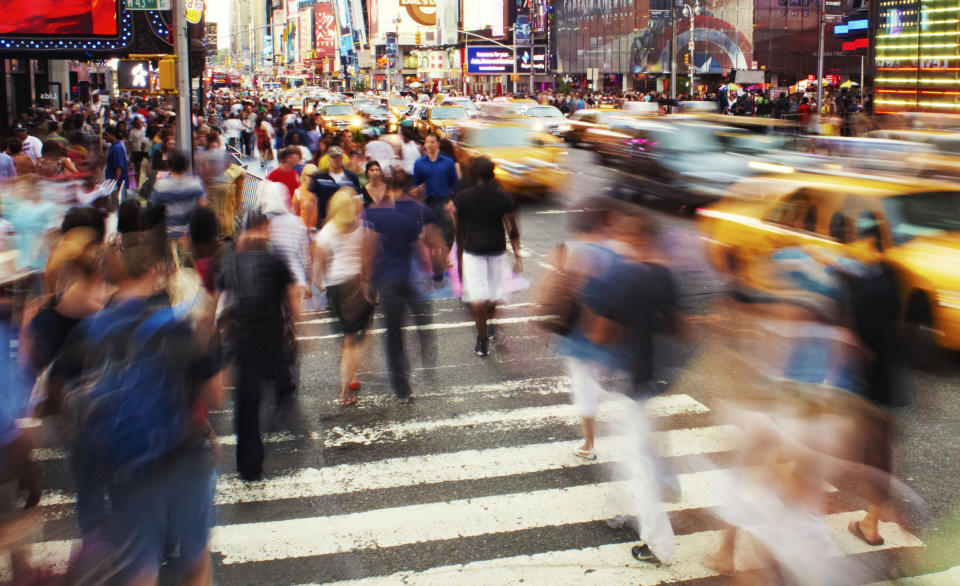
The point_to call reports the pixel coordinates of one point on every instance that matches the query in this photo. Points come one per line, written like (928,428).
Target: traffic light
(418,37)
(686,58)
(167,79)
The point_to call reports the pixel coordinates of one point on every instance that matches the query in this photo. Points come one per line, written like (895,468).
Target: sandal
(585,454)
(857,531)
(348,401)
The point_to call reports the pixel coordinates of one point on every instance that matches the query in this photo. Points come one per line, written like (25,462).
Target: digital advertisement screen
(70,18)
(481,14)
(491,60)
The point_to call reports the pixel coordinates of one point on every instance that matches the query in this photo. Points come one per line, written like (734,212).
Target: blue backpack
(133,410)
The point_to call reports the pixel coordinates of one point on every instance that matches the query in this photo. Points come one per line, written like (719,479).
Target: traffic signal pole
(182,49)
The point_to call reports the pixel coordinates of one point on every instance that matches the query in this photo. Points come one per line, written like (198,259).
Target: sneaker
(642,553)
(482,348)
(621,521)
(406,400)
(489,331)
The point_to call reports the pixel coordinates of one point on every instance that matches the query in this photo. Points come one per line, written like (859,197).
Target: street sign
(149,5)
(691,45)
(833,7)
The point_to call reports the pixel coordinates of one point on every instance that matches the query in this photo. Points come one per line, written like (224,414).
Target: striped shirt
(180,195)
(291,244)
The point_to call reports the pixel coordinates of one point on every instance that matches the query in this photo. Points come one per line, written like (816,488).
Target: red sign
(325,29)
(831,79)
(857,44)
(811,78)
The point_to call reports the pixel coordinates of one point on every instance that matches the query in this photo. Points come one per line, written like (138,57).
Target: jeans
(246,142)
(259,357)
(395,300)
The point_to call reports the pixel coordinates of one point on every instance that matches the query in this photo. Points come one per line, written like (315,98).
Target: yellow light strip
(897,102)
(953,9)
(914,46)
(900,35)
(952,57)
(914,80)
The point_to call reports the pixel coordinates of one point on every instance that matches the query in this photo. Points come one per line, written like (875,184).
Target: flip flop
(350,401)
(585,454)
(354,386)
(855,529)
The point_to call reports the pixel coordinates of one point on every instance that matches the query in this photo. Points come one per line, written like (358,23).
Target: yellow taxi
(441,120)
(397,105)
(526,162)
(940,159)
(338,116)
(912,227)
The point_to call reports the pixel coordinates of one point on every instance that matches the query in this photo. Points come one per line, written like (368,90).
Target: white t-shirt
(344,252)
(381,152)
(32,147)
(232,128)
(410,153)
(340,177)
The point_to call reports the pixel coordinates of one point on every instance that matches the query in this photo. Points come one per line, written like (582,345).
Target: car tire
(920,348)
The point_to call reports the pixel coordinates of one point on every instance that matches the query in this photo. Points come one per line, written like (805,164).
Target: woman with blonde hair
(304,200)
(342,260)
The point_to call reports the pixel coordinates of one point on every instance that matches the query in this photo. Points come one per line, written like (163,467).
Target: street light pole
(673,49)
(693,62)
(182,49)
(532,58)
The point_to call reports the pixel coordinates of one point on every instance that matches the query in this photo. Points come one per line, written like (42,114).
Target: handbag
(556,295)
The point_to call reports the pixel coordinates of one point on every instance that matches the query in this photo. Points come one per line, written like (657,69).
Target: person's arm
(513,232)
(69,166)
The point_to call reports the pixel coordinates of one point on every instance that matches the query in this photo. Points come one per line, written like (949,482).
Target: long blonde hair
(343,209)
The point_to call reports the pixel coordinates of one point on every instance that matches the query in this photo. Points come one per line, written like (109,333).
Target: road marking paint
(613,564)
(414,524)
(660,406)
(438,326)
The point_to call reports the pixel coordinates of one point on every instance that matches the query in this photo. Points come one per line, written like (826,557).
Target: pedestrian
(622,308)
(485,219)
(264,137)
(397,234)
(326,183)
(285,174)
(376,188)
(32,146)
(409,152)
(558,293)
(435,175)
(180,194)
(258,285)
(117,168)
(139,433)
(343,261)
(23,164)
(8,169)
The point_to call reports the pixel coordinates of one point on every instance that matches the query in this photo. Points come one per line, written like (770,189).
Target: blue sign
(346,45)
(392,45)
(521,33)
(489,60)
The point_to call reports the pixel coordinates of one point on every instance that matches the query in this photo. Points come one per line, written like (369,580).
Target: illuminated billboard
(489,60)
(481,14)
(917,57)
(416,16)
(68,18)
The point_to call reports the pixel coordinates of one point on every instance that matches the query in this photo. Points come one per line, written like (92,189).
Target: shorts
(483,277)
(166,513)
(353,315)
(587,389)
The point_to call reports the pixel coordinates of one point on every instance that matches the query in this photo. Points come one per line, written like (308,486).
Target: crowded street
(443,292)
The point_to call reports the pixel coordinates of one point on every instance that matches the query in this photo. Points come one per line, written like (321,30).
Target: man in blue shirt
(398,231)
(116,168)
(436,174)
(7,169)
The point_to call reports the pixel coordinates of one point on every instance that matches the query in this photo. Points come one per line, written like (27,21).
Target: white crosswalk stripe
(460,495)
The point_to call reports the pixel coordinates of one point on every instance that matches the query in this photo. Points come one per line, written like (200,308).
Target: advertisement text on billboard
(489,60)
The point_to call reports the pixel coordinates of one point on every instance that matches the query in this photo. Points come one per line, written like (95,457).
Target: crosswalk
(475,483)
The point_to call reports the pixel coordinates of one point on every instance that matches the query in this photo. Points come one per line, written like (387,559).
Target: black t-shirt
(480,210)
(257,282)
(637,296)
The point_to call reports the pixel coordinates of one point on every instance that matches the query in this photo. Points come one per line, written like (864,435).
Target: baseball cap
(20,126)
(335,151)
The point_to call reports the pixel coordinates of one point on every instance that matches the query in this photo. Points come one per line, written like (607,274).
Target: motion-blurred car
(397,105)
(465,103)
(911,227)
(378,115)
(526,162)
(548,119)
(337,117)
(583,120)
(680,161)
(441,120)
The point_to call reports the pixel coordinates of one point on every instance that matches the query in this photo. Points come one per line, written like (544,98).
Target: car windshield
(465,104)
(922,214)
(689,139)
(544,112)
(397,102)
(376,110)
(507,136)
(448,113)
(339,110)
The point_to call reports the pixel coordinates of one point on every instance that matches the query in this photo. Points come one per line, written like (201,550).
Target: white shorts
(587,388)
(483,277)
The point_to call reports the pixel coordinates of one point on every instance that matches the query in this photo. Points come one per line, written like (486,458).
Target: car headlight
(563,128)
(538,126)
(357,121)
(510,167)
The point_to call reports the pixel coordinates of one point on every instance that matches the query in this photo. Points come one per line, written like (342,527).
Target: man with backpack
(140,385)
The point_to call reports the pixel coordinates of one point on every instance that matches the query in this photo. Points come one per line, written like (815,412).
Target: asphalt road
(475,481)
